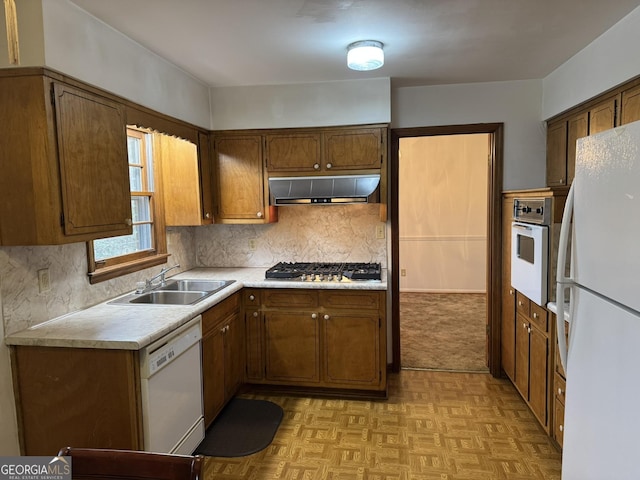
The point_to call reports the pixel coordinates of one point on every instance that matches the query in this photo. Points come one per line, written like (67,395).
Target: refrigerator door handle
(563,282)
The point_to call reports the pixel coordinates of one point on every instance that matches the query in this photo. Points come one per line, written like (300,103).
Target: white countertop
(131,327)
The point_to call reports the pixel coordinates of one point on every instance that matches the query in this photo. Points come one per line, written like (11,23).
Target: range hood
(324,190)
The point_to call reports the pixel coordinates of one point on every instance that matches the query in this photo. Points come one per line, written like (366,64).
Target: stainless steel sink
(169,297)
(175,292)
(189,285)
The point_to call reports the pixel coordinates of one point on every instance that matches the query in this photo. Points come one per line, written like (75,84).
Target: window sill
(107,273)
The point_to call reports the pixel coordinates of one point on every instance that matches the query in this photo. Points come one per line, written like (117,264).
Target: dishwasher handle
(161,353)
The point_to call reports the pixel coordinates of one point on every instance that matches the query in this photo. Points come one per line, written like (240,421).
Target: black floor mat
(243,427)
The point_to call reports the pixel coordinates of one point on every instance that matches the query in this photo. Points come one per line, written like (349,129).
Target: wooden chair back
(107,464)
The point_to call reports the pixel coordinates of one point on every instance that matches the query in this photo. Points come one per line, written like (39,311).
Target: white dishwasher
(171,383)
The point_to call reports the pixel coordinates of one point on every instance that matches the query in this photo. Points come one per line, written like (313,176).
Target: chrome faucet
(149,285)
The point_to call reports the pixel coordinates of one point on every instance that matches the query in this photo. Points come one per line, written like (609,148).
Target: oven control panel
(532,210)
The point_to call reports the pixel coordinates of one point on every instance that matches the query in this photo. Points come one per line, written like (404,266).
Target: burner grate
(324,271)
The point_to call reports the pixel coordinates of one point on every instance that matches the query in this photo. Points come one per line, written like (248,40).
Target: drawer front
(285,298)
(251,298)
(560,388)
(539,316)
(219,312)
(352,300)
(523,304)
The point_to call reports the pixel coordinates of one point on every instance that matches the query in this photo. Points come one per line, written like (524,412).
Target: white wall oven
(530,247)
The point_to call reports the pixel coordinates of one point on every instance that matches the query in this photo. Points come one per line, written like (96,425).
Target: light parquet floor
(434,425)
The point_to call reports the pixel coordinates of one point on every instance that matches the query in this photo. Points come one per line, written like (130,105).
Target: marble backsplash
(336,233)
(303,233)
(24,306)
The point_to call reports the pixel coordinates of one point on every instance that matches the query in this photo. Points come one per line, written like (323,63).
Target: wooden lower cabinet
(533,359)
(559,391)
(222,355)
(316,338)
(77,396)
(292,347)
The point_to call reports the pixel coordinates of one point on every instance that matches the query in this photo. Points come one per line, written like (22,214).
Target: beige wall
(443,213)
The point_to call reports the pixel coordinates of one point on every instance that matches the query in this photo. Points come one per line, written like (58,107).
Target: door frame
(494,236)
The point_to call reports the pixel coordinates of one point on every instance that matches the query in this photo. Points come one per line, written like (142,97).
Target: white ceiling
(427,42)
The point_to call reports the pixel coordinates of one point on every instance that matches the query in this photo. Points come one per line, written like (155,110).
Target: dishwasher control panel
(159,354)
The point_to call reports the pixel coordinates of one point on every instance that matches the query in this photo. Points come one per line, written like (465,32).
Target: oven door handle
(519,226)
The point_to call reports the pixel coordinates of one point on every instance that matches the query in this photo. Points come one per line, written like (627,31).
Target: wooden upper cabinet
(240,183)
(577,127)
(356,149)
(293,152)
(63,157)
(325,150)
(94,168)
(557,153)
(186,180)
(630,105)
(603,116)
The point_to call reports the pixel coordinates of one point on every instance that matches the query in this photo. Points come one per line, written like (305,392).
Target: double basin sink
(175,292)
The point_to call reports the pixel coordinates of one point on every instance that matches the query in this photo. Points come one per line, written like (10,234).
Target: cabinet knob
(128,222)
(207,215)
(559,391)
(316,166)
(314,315)
(511,291)
(327,317)
(252,297)
(259,214)
(528,329)
(561,428)
(520,303)
(524,325)
(329,165)
(535,315)
(255,314)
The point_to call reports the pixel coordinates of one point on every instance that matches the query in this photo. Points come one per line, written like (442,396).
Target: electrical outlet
(44,281)
(380,231)
(252,244)
(403,272)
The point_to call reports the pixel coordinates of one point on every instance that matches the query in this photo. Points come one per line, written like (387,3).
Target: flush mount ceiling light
(365,55)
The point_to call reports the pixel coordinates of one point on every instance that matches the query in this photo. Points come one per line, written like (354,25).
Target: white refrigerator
(602,362)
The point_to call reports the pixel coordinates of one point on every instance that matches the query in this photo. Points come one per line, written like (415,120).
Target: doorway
(442,210)
(493,237)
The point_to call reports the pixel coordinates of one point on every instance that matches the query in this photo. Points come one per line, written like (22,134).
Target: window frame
(101,270)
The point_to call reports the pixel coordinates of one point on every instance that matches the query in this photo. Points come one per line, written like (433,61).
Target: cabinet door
(254,345)
(178,160)
(206,186)
(522,356)
(557,153)
(508,308)
(630,105)
(292,347)
(213,386)
(353,149)
(558,422)
(603,116)
(577,127)
(234,355)
(538,361)
(94,169)
(295,152)
(352,350)
(238,165)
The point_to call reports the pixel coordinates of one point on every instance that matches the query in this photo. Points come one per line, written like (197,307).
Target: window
(146,246)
